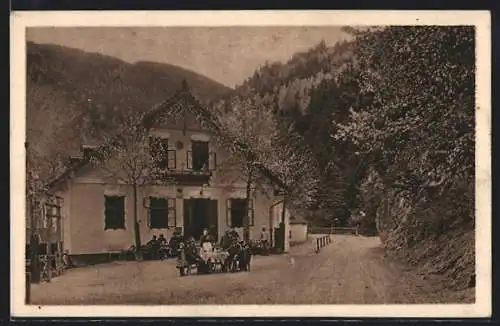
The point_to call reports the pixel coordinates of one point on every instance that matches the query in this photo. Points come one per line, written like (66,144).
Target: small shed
(298,230)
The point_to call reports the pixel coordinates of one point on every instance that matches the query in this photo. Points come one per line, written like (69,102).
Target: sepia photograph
(248,164)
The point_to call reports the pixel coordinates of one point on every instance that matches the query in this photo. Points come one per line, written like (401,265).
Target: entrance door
(200,213)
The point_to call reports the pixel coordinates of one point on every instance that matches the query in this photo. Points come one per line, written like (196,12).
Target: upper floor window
(200,155)
(114,212)
(162,156)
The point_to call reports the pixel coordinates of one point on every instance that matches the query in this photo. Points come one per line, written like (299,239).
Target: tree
(421,114)
(35,188)
(303,95)
(259,145)
(248,124)
(46,157)
(413,121)
(132,157)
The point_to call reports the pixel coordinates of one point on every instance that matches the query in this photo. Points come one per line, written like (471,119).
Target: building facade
(209,192)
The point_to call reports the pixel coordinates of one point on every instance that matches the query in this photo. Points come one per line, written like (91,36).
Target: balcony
(195,169)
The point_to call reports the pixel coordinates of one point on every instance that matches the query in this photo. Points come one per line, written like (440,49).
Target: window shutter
(171,213)
(147,204)
(228,212)
(214,219)
(212,166)
(172,159)
(189,160)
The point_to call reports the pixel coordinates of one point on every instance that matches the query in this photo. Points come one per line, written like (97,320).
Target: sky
(226,54)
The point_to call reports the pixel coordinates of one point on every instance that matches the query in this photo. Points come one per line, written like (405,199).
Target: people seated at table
(235,236)
(175,240)
(153,247)
(162,240)
(191,250)
(206,237)
(152,242)
(226,239)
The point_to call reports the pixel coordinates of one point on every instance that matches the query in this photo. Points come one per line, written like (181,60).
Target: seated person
(162,240)
(206,238)
(190,250)
(175,240)
(177,234)
(226,239)
(152,242)
(235,236)
(206,243)
(153,245)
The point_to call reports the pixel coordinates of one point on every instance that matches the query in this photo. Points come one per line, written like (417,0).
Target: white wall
(298,232)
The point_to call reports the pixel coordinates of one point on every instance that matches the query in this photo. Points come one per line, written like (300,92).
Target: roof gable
(186,111)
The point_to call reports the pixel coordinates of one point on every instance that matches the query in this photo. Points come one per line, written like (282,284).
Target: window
(114,212)
(163,158)
(51,214)
(161,213)
(236,211)
(200,155)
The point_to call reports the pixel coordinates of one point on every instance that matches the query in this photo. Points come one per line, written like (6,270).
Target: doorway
(200,213)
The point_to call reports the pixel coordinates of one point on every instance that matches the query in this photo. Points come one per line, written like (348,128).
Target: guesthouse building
(97,216)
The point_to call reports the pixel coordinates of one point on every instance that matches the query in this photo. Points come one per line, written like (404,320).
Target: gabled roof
(163,109)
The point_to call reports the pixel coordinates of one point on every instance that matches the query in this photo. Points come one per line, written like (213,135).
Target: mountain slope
(68,87)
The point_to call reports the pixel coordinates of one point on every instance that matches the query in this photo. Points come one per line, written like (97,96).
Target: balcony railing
(199,163)
(191,171)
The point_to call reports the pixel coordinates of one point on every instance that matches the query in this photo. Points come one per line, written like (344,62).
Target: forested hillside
(383,123)
(73,95)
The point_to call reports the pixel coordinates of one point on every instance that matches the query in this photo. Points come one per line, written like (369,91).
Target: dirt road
(351,270)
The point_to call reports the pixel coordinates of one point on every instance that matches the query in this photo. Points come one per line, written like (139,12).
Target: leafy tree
(421,114)
(304,97)
(290,160)
(247,123)
(46,149)
(128,158)
(413,122)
